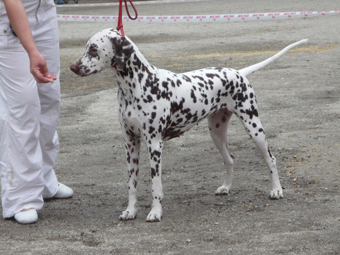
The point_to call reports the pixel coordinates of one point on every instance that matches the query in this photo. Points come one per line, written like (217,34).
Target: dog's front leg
(132,148)
(155,152)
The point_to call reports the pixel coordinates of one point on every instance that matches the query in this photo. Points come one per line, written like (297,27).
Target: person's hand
(39,69)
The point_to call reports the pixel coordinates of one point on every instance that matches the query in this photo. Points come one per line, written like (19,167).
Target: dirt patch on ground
(298,97)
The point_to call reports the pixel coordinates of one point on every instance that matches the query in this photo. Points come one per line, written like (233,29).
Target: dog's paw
(223,190)
(276,194)
(127,215)
(154,216)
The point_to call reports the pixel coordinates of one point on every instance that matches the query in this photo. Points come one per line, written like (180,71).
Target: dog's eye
(93,51)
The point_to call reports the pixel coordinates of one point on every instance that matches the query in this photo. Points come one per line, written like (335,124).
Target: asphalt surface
(298,96)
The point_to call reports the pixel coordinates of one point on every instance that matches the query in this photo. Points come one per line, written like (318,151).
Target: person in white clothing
(29,107)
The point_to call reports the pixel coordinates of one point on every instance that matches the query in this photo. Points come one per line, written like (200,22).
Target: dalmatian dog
(156,105)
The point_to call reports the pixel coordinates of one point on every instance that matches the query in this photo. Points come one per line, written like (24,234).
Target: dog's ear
(123,50)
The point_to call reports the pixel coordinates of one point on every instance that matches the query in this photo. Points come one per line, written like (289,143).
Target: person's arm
(18,18)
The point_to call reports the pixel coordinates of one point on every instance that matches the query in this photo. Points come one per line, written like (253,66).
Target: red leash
(120,17)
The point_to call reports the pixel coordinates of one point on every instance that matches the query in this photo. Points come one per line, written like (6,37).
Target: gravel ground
(298,96)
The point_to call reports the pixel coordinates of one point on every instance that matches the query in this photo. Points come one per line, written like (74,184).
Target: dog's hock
(123,50)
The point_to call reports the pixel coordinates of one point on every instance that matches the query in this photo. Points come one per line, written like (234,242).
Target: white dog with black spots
(156,105)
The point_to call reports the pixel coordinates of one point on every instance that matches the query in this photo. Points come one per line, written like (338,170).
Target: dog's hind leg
(253,126)
(132,148)
(218,125)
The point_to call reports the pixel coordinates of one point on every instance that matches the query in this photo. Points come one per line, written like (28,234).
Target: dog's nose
(74,68)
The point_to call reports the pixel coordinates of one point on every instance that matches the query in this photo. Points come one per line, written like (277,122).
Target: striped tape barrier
(135,3)
(197,18)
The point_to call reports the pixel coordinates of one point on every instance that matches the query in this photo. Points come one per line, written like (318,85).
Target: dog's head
(106,48)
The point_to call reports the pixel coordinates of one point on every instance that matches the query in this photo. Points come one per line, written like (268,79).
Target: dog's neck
(137,75)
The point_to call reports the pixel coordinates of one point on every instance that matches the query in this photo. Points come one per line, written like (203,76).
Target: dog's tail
(252,69)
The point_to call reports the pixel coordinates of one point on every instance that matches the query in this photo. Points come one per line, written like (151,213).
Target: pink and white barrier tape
(197,18)
(135,3)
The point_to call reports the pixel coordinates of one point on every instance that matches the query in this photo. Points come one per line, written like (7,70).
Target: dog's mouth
(86,74)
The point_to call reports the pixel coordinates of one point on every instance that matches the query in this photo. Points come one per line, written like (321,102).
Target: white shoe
(26,217)
(63,191)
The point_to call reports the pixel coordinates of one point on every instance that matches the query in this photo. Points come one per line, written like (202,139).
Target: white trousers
(29,113)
